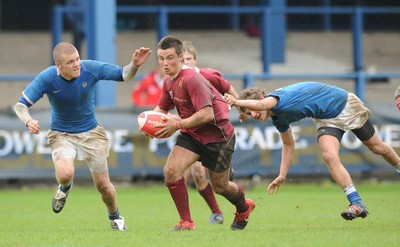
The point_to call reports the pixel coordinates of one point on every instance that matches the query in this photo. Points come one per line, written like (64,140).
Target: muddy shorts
(215,156)
(89,146)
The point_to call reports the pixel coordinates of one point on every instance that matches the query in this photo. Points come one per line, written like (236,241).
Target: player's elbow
(208,118)
(207,115)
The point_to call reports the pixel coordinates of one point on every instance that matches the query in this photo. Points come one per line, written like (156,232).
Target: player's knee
(171,174)
(379,148)
(65,177)
(64,174)
(105,188)
(220,188)
(329,157)
(376,149)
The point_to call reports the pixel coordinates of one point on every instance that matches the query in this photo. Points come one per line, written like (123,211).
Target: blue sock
(66,188)
(113,216)
(352,195)
(354,198)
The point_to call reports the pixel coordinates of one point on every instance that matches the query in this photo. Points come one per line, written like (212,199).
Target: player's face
(69,66)
(169,61)
(189,60)
(259,115)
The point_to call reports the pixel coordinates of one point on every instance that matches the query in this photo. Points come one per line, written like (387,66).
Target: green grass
(299,215)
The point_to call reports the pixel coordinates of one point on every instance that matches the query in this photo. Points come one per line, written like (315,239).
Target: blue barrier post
(266,39)
(101,19)
(358,51)
(235,17)
(327,15)
(90,31)
(360,84)
(357,38)
(162,22)
(277,26)
(248,80)
(56,28)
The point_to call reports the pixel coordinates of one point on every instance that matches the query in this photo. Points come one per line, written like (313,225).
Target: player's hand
(33,126)
(397,98)
(167,129)
(274,186)
(398,103)
(140,56)
(230,99)
(148,136)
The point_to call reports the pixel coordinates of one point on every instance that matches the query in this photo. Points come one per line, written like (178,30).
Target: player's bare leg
(199,174)
(64,170)
(107,191)
(235,195)
(377,146)
(330,153)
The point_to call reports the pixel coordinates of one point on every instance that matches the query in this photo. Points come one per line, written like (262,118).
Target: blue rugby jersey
(72,102)
(306,99)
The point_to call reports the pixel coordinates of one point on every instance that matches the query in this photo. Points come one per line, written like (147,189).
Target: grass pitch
(299,215)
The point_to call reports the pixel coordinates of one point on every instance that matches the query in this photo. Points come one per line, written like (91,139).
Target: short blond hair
(61,49)
(188,47)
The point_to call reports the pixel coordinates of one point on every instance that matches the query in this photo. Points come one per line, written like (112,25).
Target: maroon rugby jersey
(189,92)
(216,79)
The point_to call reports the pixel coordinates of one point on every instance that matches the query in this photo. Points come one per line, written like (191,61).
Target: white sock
(397,167)
(349,189)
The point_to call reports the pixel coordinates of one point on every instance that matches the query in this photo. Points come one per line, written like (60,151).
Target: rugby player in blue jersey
(74,130)
(334,111)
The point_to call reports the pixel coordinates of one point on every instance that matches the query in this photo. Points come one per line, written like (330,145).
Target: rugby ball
(149,120)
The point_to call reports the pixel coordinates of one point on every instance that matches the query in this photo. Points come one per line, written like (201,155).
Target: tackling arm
(138,58)
(251,104)
(287,154)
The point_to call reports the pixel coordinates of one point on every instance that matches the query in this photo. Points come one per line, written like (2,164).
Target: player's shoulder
(186,70)
(88,64)
(48,74)
(189,73)
(209,71)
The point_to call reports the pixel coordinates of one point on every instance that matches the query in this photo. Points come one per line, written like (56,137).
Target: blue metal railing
(357,12)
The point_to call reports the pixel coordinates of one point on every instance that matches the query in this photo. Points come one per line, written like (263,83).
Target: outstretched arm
(287,154)
(253,105)
(138,58)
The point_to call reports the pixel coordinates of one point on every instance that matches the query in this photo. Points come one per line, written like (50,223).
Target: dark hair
(171,42)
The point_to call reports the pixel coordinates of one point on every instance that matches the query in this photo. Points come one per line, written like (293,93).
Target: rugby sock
(209,197)
(397,168)
(113,216)
(239,201)
(179,194)
(66,188)
(352,195)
